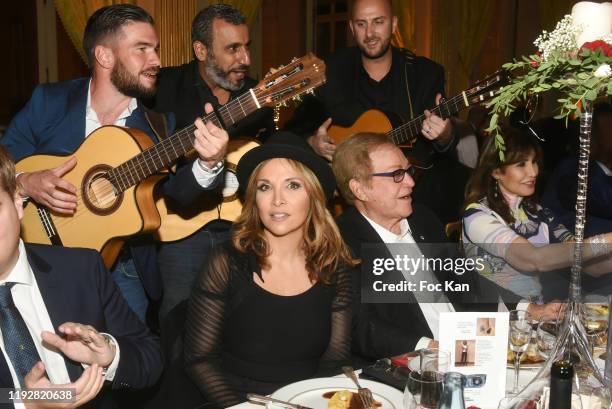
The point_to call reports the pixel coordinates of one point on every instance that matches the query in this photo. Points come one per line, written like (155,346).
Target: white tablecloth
(525,375)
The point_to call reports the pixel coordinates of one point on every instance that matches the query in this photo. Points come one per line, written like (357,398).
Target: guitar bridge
(49,226)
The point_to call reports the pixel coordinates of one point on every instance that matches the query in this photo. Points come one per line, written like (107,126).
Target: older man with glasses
(375,178)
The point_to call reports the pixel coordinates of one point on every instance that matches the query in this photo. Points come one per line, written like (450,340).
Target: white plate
(310,392)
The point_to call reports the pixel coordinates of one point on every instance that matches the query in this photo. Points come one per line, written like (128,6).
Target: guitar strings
(243,101)
(398,134)
(182,133)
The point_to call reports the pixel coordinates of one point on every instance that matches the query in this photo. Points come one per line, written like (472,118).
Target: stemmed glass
(546,337)
(519,337)
(595,322)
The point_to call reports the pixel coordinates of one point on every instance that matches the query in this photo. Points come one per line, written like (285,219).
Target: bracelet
(599,246)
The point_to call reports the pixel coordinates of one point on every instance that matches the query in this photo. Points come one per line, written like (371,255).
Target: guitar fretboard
(408,132)
(164,153)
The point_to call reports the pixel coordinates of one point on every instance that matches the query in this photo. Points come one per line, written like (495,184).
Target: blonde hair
(325,251)
(8,182)
(352,161)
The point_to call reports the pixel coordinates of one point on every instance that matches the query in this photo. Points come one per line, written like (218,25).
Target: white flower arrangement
(574,60)
(561,40)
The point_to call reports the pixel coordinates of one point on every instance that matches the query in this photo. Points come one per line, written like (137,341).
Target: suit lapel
(405,309)
(77,109)
(50,285)
(137,120)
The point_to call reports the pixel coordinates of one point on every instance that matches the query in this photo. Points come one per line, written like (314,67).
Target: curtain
(473,23)
(404,35)
(74,15)
(551,11)
(249,8)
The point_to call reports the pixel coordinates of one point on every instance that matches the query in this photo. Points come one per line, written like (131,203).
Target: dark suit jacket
(340,98)
(76,287)
(182,91)
(560,197)
(388,329)
(53,122)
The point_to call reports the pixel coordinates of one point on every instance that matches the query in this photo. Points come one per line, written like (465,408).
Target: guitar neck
(407,133)
(167,151)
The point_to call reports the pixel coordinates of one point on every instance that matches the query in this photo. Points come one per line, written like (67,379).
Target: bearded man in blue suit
(122,48)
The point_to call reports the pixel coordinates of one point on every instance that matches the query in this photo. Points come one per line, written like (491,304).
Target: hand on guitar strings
(210,141)
(435,128)
(48,188)
(322,144)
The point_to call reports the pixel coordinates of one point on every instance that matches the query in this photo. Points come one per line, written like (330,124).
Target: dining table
(525,375)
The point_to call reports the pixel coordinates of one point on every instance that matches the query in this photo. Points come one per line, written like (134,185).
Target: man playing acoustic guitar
(377,75)
(122,49)
(216,75)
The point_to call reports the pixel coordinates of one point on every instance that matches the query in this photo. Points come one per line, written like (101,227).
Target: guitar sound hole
(98,192)
(101,193)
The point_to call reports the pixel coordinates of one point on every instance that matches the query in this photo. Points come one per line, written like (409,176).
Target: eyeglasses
(397,175)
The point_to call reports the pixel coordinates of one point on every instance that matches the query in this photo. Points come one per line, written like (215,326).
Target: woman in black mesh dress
(272,306)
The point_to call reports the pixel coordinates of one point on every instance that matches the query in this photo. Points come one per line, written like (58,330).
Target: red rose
(605,48)
(535,61)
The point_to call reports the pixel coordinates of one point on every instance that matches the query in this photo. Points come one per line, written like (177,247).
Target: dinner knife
(262,400)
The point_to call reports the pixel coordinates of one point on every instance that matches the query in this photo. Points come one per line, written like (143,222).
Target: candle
(595,19)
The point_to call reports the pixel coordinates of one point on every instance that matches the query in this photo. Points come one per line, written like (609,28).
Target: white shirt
(31,306)
(431,311)
(203,176)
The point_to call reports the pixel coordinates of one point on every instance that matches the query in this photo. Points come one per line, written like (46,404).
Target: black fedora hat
(287,145)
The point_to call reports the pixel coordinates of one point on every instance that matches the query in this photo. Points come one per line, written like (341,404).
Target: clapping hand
(82,343)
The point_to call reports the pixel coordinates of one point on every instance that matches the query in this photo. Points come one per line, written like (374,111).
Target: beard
(372,55)
(220,76)
(128,83)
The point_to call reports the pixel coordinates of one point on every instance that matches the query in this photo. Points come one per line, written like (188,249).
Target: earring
(496,192)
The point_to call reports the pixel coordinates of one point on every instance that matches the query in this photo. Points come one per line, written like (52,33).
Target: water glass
(423,390)
(434,359)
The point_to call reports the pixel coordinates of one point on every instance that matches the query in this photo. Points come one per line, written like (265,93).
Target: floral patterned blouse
(487,236)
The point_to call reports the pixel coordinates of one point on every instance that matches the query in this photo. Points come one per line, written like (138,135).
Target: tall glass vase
(572,342)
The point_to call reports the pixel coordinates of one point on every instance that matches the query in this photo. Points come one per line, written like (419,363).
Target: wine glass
(519,337)
(595,321)
(546,337)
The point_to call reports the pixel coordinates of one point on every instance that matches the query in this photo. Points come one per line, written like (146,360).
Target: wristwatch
(214,169)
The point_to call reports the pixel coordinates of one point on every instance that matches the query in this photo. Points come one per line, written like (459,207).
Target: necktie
(18,343)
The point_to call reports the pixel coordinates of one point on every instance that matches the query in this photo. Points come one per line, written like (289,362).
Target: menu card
(477,342)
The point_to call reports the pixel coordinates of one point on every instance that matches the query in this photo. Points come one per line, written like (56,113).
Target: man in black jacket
(376,75)
(64,324)
(217,75)
(374,176)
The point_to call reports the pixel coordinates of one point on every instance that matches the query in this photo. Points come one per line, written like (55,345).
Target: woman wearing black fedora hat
(273,305)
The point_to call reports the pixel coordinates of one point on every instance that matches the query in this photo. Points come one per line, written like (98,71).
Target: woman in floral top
(504,225)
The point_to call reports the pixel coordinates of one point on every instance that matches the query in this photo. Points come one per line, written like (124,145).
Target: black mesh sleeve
(204,329)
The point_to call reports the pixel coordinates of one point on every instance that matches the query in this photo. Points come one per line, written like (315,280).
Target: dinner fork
(364,393)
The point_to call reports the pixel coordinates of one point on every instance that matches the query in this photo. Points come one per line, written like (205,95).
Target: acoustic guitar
(405,135)
(224,204)
(117,170)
